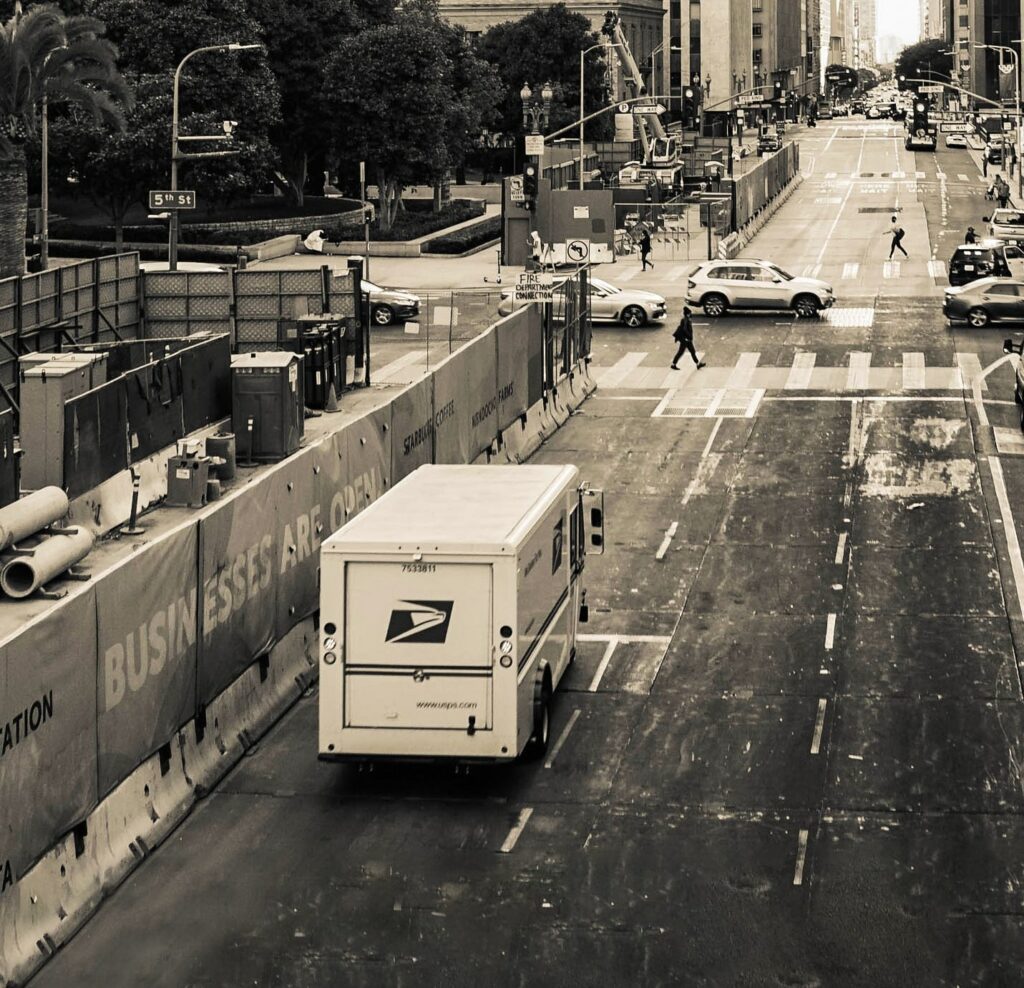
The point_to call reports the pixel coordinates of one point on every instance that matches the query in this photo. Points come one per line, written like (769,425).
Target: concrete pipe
(24,575)
(30,514)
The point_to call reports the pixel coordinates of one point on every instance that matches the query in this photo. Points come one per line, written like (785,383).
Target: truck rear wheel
(537,746)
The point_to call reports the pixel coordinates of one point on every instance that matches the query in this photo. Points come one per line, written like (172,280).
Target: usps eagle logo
(420,622)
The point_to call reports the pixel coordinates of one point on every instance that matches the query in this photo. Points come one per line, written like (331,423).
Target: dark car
(984,301)
(769,143)
(390,305)
(985,259)
(994,154)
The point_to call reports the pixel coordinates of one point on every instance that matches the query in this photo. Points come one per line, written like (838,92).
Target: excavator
(661,154)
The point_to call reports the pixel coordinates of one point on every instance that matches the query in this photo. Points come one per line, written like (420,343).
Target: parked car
(630,306)
(746,283)
(390,305)
(1006,224)
(985,300)
(956,140)
(994,153)
(985,259)
(769,143)
(1018,377)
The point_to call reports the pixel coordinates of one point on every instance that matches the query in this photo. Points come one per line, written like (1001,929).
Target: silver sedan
(630,306)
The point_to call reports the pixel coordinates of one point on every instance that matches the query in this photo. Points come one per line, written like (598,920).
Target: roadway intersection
(789,751)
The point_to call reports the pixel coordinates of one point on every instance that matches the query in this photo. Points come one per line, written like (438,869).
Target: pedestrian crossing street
(641,370)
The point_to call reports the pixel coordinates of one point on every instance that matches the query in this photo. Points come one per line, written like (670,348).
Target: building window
(757,6)
(965,21)
(757,56)
(757,30)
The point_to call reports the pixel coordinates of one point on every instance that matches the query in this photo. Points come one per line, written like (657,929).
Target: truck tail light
(691,285)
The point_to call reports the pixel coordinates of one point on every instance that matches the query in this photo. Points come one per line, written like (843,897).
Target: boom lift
(661,154)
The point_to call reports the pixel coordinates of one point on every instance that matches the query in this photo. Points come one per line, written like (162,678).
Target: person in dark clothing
(1003,194)
(970,237)
(645,250)
(897,239)
(684,337)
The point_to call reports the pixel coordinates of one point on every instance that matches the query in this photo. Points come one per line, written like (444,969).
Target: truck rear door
(418,645)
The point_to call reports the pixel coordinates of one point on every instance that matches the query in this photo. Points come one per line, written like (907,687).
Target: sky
(899,17)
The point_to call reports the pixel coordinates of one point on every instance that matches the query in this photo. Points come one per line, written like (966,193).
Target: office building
(989,22)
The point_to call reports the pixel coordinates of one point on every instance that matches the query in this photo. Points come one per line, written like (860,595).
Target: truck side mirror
(592,502)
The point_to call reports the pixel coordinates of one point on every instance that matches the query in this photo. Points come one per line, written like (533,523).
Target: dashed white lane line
(664,403)
(850,269)
(963,178)
(517,830)
(1009,529)
(830,632)
(801,857)
(826,243)
(841,549)
(711,438)
(743,370)
(603,665)
(562,739)
(667,540)
(819,726)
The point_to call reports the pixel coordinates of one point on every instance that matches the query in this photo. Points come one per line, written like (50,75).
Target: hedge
(462,240)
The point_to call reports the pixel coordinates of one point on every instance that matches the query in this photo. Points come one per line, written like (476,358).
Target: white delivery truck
(448,613)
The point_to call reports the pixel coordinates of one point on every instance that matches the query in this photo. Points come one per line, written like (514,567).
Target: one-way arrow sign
(648,108)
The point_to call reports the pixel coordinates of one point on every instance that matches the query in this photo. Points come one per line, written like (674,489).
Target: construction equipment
(661,152)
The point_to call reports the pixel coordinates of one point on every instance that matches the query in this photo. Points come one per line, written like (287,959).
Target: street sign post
(931,87)
(515,188)
(533,286)
(170,199)
(648,108)
(534,145)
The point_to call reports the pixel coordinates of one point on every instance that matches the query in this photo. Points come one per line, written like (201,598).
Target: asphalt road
(789,751)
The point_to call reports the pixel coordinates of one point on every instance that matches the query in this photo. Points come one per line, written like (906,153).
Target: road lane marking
(812,270)
(970,370)
(963,177)
(937,269)
(849,191)
(618,371)
(1009,529)
(711,438)
(674,274)
(819,726)
(913,371)
(841,549)
(891,269)
(755,400)
(627,639)
(628,275)
(664,403)
(517,830)
(931,399)
(860,368)
(850,269)
(800,373)
(667,540)
(603,666)
(830,632)
(562,738)
(801,856)
(746,364)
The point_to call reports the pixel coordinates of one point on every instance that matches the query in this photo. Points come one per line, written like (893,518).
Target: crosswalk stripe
(743,371)
(830,174)
(857,375)
(891,269)
(850,269)
(970,369)
(800,373)
(963,177)
(913,371)
(388,371)
(812,270)
(674,274)
(918,174)
(937,269)
(628,274)
(899,174)
(615,374)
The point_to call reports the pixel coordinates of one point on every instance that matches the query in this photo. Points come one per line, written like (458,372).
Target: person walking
(645,250)
(897,239)
(970,237)
(683,335)
(1003,193)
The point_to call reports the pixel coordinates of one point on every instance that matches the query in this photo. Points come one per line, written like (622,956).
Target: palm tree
(47,58)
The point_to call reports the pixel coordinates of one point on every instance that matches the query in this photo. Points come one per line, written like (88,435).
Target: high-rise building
(935,18)
(868,24)
(984,22)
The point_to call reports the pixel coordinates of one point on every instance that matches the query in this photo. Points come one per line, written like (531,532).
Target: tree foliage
(299,36)
(66,62)
(409,97)
(924,60)
(544,46)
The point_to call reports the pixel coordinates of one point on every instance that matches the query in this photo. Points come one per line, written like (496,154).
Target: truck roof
(456,508)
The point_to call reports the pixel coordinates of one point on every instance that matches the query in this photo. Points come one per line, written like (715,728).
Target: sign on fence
(533,286)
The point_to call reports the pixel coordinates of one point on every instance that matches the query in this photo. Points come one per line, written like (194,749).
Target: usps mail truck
(449,610)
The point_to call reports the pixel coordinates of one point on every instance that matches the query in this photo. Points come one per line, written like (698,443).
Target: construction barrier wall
(187,649)
(87,302)
(764,182)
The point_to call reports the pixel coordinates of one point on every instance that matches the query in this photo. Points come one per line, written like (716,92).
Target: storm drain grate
(710,403)
(877,209)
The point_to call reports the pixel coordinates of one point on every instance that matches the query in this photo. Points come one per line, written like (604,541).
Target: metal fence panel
(179,303)
(264,298)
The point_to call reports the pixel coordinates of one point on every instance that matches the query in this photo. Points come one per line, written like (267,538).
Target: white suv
(747,283)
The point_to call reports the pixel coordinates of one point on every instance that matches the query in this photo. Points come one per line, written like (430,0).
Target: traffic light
(530,180)
(920,116)
(777,93)
(688,107)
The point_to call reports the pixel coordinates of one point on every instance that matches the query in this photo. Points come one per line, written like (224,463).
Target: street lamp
(178,155)
(707,85)
(536,112)
(526,90)
(1016,89)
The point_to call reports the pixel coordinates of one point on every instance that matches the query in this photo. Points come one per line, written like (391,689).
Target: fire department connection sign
(534,287)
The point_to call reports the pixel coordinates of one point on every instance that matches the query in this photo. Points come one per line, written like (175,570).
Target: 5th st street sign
(177,199)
